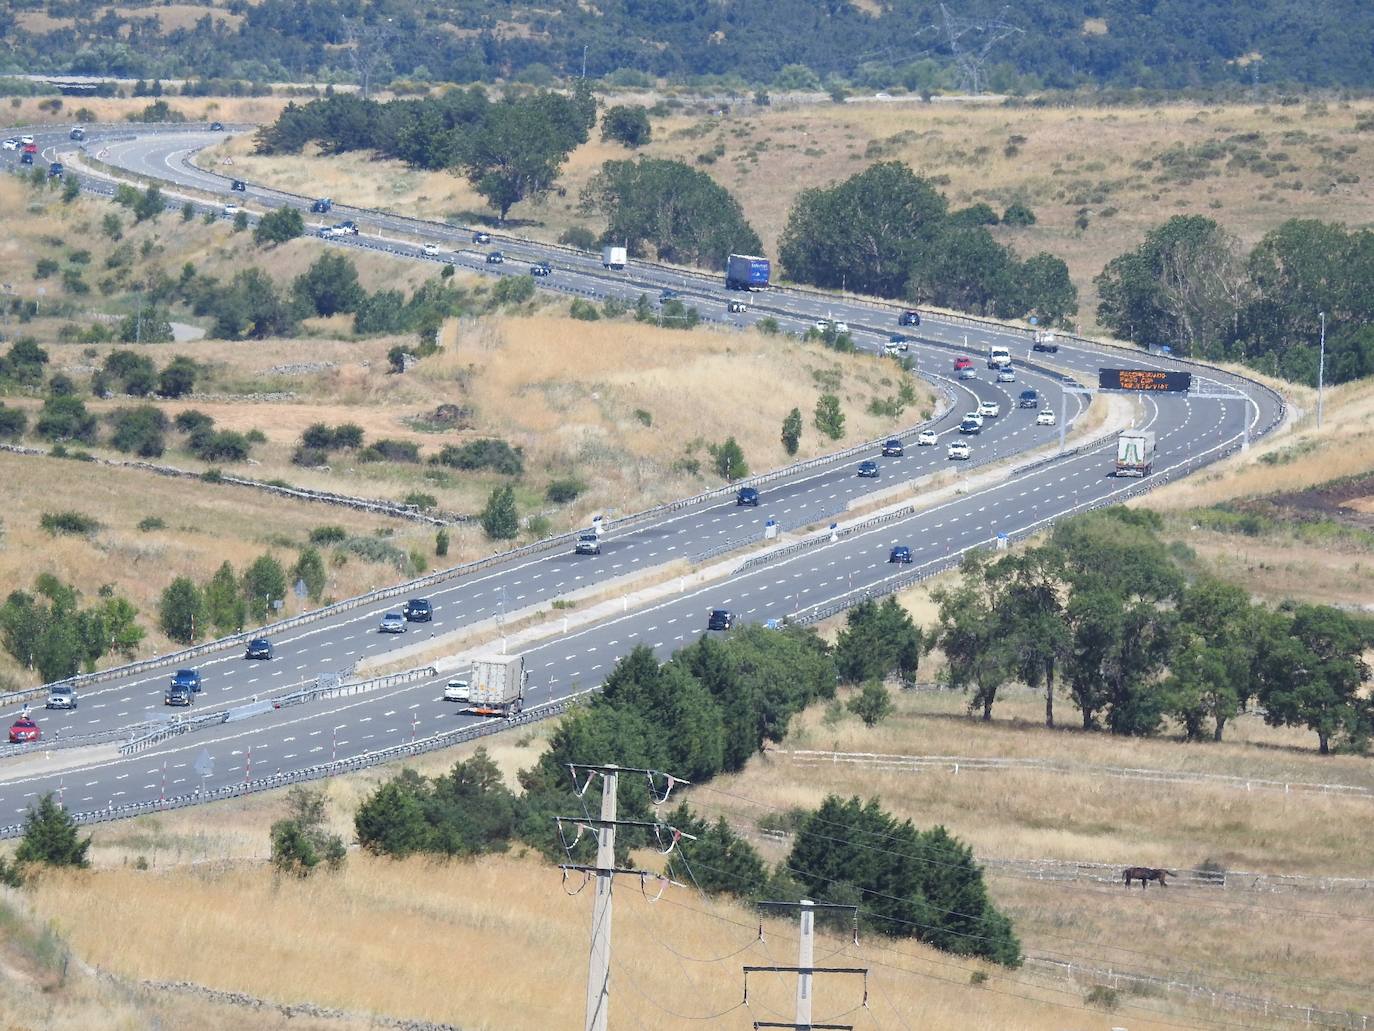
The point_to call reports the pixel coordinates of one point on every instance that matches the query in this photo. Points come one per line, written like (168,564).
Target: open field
(208,910)
(1097,179)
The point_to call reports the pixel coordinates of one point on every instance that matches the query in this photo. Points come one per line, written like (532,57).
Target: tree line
(789,43)
(509,150)
(705,711)
(1109,613)
(1192,286)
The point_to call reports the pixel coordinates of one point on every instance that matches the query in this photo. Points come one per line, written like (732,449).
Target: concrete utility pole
(599,966)
(805,970)
(1321,369)
(605,870)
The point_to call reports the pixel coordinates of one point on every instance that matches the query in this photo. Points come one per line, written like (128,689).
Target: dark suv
(893,448)
(868,470)
(901,553)
(187,678)
(747,496)
(1028,399)
(418,610)
(720,619)
(259,648)
(909,318)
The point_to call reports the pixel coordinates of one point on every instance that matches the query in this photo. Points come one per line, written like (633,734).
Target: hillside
(875,44)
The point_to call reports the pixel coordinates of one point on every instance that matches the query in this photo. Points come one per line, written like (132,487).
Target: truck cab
(998,357)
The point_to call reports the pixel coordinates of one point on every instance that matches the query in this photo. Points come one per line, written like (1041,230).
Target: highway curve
(320,737)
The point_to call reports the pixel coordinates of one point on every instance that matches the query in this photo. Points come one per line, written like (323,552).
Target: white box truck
(998,357)
(613,257)
(1135,453)
(498,685)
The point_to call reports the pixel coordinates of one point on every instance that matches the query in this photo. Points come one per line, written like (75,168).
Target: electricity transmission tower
(605,870)
(970,41)
(806,968)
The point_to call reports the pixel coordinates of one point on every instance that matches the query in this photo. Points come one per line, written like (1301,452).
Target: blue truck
(745,272)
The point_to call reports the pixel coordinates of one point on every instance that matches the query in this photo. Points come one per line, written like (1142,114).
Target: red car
(963,362)
(30,148)
(24,729)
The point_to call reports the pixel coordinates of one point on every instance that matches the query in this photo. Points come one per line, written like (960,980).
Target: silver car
(61,696)
(393,623)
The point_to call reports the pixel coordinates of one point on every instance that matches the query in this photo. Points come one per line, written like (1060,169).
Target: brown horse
(1145,874)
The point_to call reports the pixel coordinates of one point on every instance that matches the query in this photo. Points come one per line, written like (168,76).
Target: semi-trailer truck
(1135,453)
(613,257)
(746,272)
(498,685)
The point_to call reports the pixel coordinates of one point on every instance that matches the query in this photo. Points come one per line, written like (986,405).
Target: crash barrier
(364,761)
(324,687)
(372,505)
(895,584)
(965,764)
(1142,986)
(60,741)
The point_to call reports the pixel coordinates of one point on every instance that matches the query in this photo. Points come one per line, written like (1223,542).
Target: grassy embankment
(626,408)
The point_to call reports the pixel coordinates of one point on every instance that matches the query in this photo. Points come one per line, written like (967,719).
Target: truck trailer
(746,272)
(498,686)
(1135,453)
(613,257)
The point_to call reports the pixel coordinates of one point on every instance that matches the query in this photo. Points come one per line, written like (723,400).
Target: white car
(974,417)
(989,409)
(11,144)
(927,438)
(26,140)
(1006,374)
(457,691)
(231,210)
(842,327)
(431,250)
(958,451)
(1045,417)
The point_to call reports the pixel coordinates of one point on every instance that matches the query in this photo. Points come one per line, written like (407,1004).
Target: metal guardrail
(307,774)
(191,724)
(388,508)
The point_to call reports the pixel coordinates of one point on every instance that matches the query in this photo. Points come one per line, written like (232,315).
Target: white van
(998,357)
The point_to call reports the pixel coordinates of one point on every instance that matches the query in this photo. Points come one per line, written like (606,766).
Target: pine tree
(50,836)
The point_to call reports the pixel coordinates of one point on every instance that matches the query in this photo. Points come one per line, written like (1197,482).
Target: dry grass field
(1097,178)
(381,936)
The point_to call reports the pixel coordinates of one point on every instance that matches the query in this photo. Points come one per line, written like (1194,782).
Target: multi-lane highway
(1190,429)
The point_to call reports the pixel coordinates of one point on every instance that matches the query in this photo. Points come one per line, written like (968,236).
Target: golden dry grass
(117,109)
(383,936)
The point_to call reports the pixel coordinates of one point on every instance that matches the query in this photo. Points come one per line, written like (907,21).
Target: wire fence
(967,764)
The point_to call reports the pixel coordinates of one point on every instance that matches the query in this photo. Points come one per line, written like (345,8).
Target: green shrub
(328,535)
(564,490)
(387,450)
(74,523)
(150,523)
(424,502)
(487,453)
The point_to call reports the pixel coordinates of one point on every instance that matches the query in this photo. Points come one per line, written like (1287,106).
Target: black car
(667,295)
(971,426)
(259,648)
(892,448)
(26,158)
(1028,399)
(901,553)
(217,127)
(55,170)
(720,619)
(736,307)
(418,610)
(495,258)
(77,133)
(177,694)
(238,186)
(869,470)
(909,318)
(542,269)
(322,205)
(747,496)
(481,238)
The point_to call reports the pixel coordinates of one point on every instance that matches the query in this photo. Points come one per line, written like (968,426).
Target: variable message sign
(1143,379)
